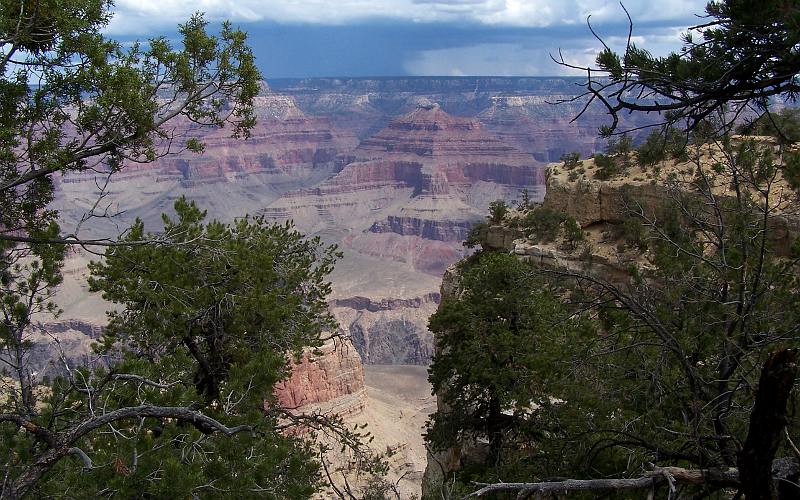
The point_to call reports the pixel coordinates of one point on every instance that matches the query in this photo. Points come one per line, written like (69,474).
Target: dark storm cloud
(423,37)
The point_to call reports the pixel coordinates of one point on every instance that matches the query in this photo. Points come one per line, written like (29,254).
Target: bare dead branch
(659,476)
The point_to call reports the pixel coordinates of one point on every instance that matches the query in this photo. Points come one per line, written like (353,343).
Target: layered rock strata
(329,379)
(409,195)
(286,150)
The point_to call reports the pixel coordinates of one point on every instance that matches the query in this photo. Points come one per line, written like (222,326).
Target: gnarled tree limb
(669,476)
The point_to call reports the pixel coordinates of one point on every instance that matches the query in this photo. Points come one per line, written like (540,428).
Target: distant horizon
(423,77)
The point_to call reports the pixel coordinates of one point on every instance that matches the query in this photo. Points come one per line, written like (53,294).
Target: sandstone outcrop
(594,202)
(329,378)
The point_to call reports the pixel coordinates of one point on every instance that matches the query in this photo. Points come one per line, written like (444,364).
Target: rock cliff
(330,378)
(287,150)
(390,331)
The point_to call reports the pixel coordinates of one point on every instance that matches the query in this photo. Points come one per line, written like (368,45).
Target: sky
(363,38)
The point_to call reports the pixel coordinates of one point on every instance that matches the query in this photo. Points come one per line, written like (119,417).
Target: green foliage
(622,147)
(617,160)
(235,298)
(573,233)
(571,160)
(206,319)
(543,224)
(607,167)
(498,210)
(667,348)
(791,169)
(783,125)
(97,102)
(177,461)
(652,150)
(477,235)
(496,364)
(634,368)
(632,232)
(661,145)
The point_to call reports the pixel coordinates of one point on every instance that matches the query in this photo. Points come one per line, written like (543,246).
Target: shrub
(571,160)
(525,203)
(573,233)
(783,125)
(607,168)
(544,223)
(653,150)
(633,233)
(791,169)
(477,235)
(497,211)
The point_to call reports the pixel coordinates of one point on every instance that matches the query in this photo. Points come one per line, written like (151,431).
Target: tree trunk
(495,430)
(767,421)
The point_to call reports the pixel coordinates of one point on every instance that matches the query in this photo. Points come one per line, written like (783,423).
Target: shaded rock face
(425,228)
(390,331)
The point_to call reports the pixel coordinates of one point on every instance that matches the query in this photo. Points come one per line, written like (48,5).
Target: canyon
(395,171)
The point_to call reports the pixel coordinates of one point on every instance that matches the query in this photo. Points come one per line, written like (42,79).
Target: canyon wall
(408,195)
(393,170)
(329,378)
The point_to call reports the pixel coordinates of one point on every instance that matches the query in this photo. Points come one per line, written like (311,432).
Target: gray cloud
(297,38)
(144,16)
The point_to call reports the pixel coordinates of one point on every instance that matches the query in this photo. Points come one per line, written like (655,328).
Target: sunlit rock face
(329,378)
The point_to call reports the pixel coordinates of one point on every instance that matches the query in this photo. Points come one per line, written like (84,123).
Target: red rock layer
(333,376)
(430,132)
(283,140)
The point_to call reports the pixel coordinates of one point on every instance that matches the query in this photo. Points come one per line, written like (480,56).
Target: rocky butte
(408,195)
